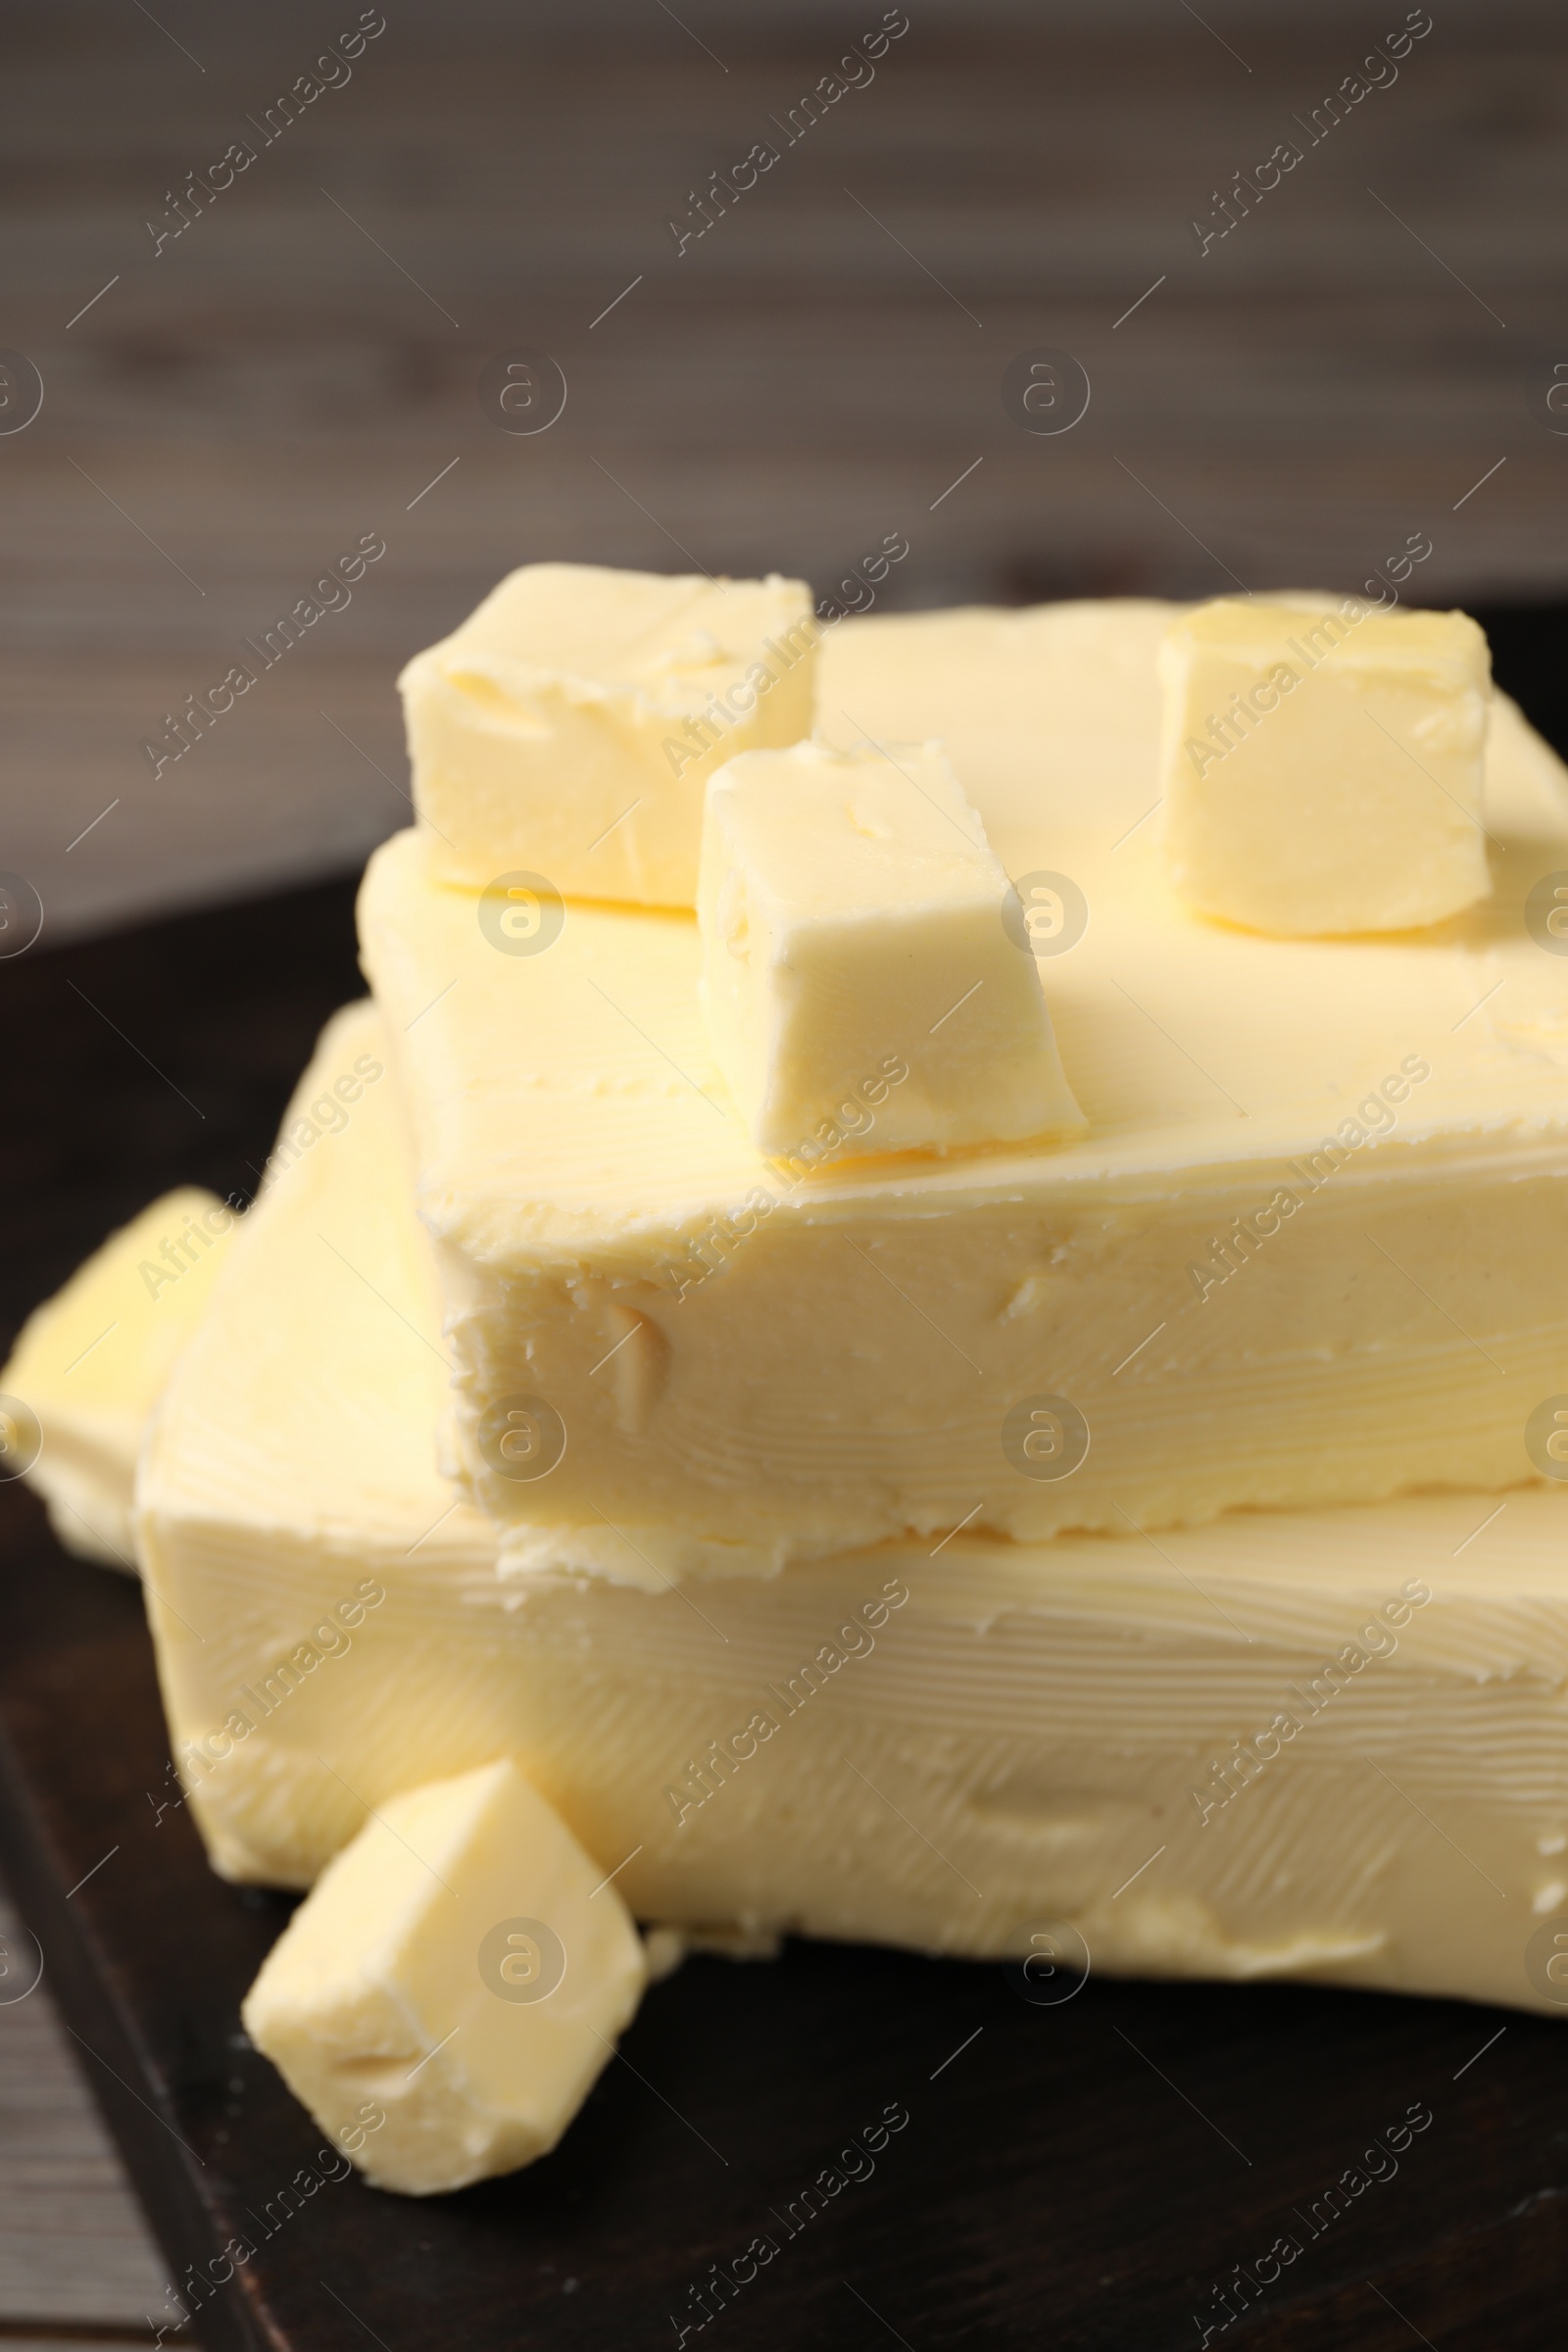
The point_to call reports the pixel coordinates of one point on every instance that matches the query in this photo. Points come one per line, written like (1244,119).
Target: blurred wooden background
(234,410)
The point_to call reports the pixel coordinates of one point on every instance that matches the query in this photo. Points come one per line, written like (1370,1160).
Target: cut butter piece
(1322,766)
(460,1970)
(1310,1249)
(954,1753)
(563,734)
(868,976)
(91,1362)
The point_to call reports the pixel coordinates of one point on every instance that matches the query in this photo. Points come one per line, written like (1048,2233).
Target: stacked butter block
(759,1347)
(968,1365)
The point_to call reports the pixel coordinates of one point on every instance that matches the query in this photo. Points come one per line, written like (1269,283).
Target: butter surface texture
(91,1362)
(866,973)
(1322,769)
(1053,1719)
(566,730)
(1317,1205)
(459,1971)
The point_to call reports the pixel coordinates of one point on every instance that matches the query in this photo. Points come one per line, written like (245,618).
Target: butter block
(1285,1745)
(565,732)
(1309,1251)
(1322,767)
(90,1364)
(461,1964)
(867,972)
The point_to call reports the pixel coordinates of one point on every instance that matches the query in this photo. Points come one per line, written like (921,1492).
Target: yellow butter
(1310,1247)
(447,1994)
(91,1362)
(867,975)
(982,1748)
(565,731)
(1322,768)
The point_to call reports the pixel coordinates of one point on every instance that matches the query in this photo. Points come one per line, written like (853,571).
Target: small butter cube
(567,731)
(93,1360)
(1321,768)
(444,1998)
(868,976)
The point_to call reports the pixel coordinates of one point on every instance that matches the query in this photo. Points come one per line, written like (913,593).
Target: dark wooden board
(1081,2174)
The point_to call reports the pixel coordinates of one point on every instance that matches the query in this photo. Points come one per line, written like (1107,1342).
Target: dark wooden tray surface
(1080,2175)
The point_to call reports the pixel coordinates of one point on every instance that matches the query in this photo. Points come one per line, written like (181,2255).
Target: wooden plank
(1106,2163)
(73,2241)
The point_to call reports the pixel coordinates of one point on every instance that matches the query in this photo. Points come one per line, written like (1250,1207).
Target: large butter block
(91,1362)
(1328,1745)
(867,975)
(460,1963)
(564,733)
(1322,768)
(1311,1247)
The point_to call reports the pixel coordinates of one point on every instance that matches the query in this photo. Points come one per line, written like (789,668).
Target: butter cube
(91,1362)
(866,973)
(1321,766)
(566,730)
(461,1969)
